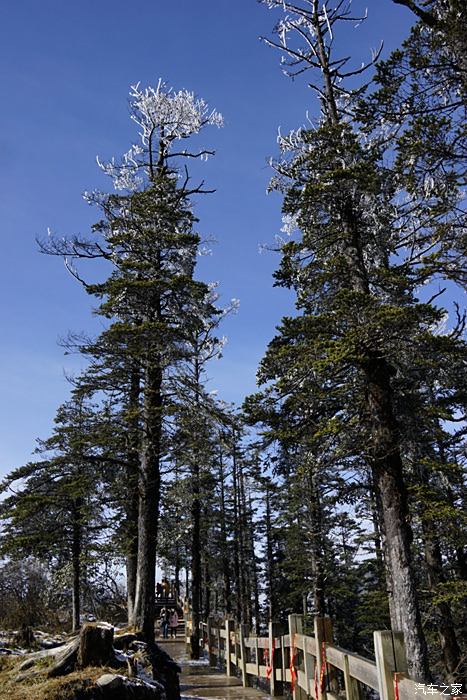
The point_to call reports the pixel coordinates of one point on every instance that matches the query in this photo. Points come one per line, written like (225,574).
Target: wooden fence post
(188,632)
(352,688)
(276,686)
(296,627)
(390,659)
(243,659)
(323,636)
(258,672)
(219,646)
(211,654)
(229,667)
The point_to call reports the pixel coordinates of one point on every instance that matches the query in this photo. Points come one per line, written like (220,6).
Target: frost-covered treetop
(164,117)
(180,114)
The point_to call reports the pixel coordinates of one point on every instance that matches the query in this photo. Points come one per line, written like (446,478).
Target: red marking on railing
(396,687)
(293,672)
(269,661)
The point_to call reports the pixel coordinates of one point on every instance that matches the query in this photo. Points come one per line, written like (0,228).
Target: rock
(110,680)
(123,641)
(6,650)
(166,671)
(115,687)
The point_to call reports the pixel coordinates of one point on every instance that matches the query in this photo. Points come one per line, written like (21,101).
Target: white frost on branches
(289,223)
(164,117)
(179,114)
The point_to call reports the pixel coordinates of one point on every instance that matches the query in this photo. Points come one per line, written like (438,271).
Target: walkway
(200,681)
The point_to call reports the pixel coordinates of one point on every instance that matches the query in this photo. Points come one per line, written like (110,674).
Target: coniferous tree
(147,234)
(356,299)
(65,488)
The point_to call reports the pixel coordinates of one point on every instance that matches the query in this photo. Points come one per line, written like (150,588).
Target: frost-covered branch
(163,117)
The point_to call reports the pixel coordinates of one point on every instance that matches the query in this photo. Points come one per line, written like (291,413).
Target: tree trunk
(76,547)
(225,548)
(444,625)
(96,646)
(245,563)
(132,501)
(316,527)
(149,502)
(386,465)
(254,572)
(207,585)
(236,541)
(269,558)
(196,573)
(195,562)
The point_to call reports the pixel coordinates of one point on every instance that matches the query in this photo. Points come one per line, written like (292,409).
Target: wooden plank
(223,634)
(390,656)
(242,660)
(286,640)
(300,641)
(302,680)
(352,687)
(363,670)
(409,689)
(230,667)
(250,669)
(335,656)
(332,696)
(275,659)
(323,635)
(250,642)
(310,645)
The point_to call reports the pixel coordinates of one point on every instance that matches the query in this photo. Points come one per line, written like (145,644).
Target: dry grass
(42,688)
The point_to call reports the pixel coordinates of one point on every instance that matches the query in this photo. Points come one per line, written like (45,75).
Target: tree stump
(25,637)
(96,645)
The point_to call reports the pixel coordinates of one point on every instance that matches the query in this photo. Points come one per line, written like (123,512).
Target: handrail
(311,665)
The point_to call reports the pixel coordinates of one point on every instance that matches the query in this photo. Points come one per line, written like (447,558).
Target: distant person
(166,588)
(158,590)
(173,622)
(165,623)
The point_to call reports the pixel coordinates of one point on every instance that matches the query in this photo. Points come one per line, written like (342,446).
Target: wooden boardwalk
(198,680)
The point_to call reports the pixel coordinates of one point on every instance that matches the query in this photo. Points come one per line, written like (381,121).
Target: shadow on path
(198,680)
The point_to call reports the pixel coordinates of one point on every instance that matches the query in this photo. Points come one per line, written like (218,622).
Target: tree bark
(196,573)
(149,501)
(132,502)
(195,562)
(445,624)
(225,549)
(450,650)
(386,465)
(236,542)
(317,567)
(269,558)
(76,547)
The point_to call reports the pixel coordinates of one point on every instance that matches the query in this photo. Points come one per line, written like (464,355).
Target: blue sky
(66,68)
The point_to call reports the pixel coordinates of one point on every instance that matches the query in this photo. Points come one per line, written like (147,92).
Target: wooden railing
(310,666)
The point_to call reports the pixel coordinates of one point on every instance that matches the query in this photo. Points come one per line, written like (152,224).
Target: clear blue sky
(66,67)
